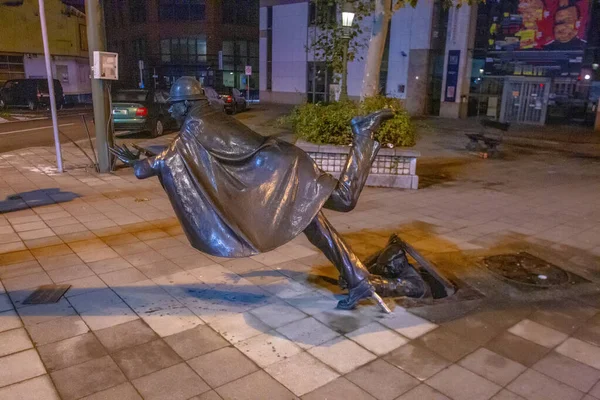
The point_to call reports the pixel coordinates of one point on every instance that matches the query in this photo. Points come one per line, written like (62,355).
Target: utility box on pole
(96,34)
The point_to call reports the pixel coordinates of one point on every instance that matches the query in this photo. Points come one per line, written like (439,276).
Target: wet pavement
(149,317)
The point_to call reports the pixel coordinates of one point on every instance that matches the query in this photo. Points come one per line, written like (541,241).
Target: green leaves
(330,123)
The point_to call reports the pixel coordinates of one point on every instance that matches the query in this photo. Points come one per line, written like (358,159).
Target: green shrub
(330,123)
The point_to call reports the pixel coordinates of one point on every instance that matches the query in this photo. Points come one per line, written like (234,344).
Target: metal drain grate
(47,294)
(528,270)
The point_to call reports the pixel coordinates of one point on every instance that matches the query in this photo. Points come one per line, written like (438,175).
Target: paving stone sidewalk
(149,317)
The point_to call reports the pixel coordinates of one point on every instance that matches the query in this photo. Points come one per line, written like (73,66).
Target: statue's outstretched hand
(124,154)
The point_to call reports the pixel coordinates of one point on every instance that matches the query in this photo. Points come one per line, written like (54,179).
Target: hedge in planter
(330,123)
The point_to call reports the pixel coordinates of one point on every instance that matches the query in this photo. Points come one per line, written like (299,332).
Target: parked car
(140,110)
(30,93)
(230,99)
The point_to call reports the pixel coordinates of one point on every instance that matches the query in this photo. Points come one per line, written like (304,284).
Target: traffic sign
(248,70)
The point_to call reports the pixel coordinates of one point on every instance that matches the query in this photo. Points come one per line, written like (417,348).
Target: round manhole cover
(526,269)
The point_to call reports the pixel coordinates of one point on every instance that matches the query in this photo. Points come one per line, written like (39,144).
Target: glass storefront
(533,61)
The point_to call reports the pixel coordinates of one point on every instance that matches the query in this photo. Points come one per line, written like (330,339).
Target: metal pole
(344,90)
(59,165)
(94,16)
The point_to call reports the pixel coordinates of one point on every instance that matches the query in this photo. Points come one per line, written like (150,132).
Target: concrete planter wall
(392,167)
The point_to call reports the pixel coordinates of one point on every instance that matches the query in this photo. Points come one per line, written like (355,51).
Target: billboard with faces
(519,25)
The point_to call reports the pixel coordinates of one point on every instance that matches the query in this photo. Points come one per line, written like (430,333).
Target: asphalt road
(16,135)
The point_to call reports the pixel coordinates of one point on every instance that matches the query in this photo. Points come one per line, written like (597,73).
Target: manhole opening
(526,271)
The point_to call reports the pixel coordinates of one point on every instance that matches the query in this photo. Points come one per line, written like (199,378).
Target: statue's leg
(325,237)
(354,174)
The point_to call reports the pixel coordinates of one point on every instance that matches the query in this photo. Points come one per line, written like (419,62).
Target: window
(326,15)
(181,10)
(137,11)
(183,50)
(11,67)
(240,12)
(270,48)
(139,48)
(320,76)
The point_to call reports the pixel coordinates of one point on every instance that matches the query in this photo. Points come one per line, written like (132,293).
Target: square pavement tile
(72,351)
(535,386)
(87,378)
(569,371)
(125,335)
(461,384)
(382,380)
(20,366)
(407,324)
(278,314)
(58,329)
(538,333)
(492,366)
(307,333)
(36,388)
(172,320)
(346,321)
(124,391)
(448,344)
(506,395)
(596,390)
(339,389)
(123,276)
(517,349)
(301,373)
(5,304)
(27,282)
(581,351)
(423,392)
(377,338)
(417,361)
(212,395)
(14,341)
(258,385)
(238,327)
(268,348)
(145,359)
(102,309)
(589,333)
(178,382)
(69,273)
(222,366)
(342,354)
(9,320)
(195,342)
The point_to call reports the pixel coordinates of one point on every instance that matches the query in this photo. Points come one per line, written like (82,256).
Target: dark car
(141,110)
(30,93)
(230,99)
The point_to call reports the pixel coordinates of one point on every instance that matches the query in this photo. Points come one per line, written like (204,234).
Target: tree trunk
(379,32)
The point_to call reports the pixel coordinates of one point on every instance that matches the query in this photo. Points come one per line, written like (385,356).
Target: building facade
(213,40)
(22,52)
(522,61)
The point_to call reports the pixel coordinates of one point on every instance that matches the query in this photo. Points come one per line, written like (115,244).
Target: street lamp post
(347,18)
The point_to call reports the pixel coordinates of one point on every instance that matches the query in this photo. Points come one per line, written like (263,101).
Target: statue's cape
(235,192)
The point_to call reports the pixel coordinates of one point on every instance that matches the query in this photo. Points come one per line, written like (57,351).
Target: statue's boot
(322,234)
(363,151)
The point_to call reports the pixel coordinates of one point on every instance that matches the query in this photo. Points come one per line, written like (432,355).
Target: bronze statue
(237,193)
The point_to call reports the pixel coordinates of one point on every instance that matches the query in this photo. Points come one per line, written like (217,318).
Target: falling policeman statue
(237,193)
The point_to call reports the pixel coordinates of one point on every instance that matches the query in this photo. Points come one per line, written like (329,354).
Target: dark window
(137,11)
(270,48)
(183,50)
(139,48)
(240,12)
(322,15)
(181,10)
(320,76)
